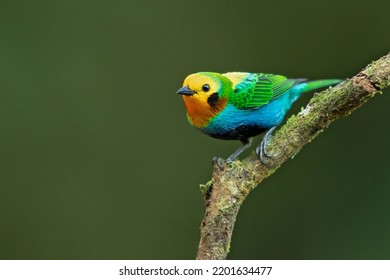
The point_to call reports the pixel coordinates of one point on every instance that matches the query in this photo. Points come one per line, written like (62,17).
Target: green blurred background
(98,160)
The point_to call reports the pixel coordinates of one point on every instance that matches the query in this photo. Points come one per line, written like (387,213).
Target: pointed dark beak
(185,91)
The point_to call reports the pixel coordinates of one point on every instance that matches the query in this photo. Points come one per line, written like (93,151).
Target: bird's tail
(303,86)
(312,85)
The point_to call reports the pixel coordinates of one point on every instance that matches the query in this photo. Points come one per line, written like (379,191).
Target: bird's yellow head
(205,94)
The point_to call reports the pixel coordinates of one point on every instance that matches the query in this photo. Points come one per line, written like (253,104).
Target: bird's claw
(263,154)
(219,161)
(261,150)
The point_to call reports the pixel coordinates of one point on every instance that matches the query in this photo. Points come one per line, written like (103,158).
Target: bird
(241,105)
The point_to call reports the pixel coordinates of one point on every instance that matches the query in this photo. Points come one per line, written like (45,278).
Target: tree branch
(231,184)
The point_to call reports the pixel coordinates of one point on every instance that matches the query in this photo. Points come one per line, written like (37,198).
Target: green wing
(259,89)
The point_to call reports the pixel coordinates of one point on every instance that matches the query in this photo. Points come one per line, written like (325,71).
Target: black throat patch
(212,100)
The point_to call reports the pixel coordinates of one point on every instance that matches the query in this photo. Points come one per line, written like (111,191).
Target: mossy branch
(231,184)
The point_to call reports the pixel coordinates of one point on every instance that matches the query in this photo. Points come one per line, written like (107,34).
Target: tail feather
(311,85)
(304,86)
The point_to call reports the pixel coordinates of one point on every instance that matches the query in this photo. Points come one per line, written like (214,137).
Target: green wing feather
(259,89)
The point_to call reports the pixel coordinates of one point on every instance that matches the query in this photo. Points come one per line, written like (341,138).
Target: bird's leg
(246,144)
(261,150)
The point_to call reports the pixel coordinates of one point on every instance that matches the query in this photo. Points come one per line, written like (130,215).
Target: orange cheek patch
(200,112)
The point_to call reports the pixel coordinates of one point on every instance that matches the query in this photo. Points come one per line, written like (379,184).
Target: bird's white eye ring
(206,87)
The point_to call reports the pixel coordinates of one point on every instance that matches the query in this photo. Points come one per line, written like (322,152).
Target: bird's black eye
(206,87)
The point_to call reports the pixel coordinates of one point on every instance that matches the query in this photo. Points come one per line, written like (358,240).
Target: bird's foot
(261,150)
(246,144)
(219,161)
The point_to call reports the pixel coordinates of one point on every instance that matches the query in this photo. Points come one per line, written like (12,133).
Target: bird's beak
(186,91)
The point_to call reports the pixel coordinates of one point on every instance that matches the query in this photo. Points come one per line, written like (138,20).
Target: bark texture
(230,184)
